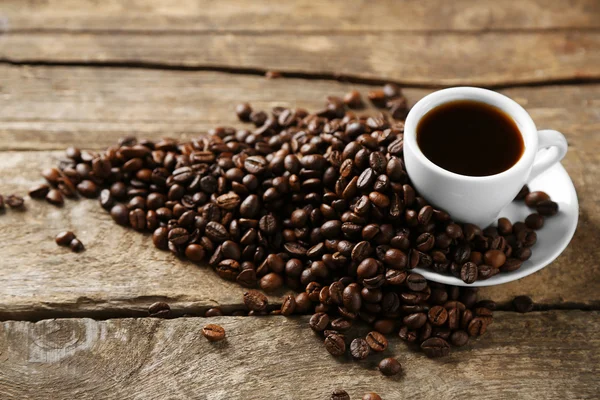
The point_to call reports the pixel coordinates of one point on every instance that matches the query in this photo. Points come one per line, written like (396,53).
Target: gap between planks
(326,76)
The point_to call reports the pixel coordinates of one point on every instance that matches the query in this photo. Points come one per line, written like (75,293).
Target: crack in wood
(327,76)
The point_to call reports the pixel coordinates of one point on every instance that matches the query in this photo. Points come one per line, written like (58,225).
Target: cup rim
(527,127)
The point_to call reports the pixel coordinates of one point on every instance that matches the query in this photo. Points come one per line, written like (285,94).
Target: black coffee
(470,138)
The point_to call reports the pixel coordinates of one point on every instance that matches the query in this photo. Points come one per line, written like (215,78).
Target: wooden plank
(480,59)
(54,107)
(548,355)
(297,16)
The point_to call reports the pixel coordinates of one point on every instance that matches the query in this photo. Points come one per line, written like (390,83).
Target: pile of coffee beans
(319,202)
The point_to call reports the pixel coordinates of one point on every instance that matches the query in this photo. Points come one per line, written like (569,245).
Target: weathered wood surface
(549,355)
(266,16)
(484,59)
(55,107)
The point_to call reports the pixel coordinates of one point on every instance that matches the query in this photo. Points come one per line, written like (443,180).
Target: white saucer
(553,238)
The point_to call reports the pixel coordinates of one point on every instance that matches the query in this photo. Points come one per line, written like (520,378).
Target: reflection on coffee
(470,138)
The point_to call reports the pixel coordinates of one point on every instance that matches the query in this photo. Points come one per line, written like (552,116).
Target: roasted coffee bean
(194,252)
(335,345)
(319,322)
(438,315)
(271,282)
(459,338)
(213,312)
(359,349)
(64,238)
(213,333)
(532,199)
(76,245)
(415,321)
(435,347)
(243,111)
(504,226)
(477,326)
(119,213)
(371,396)
(159,310)
(14,201)
(351,297)
(495,258)
(547,208)
(416,282)
(255,300)
(523,304)
(469,272)
(376,341)
(340,394)
(288,305)
(389,366)
(534,221)
(39,191)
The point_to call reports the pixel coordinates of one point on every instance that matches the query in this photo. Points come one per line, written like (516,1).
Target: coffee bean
(376,341)
(416,282)
(351,297)
(137,219)
(547,208)
(495,258)
(389,366)
(255,300)
(532,199)
(64,238)
(469,272)
(359,349)
(160,238)
(119,214)
(438,315)
(435,347)
(39,191)
(340,394)
(335,345)
(534,221)
(159,310)
(371,396)
(243,111)
(523,304)
(271,282)
(319,322)
(213,312)
(195,252)
(76,245)
(213,333)
(504,226)
(522,193)
(477,327)
(459,338)
(288,305)
(415,320)
(14,201)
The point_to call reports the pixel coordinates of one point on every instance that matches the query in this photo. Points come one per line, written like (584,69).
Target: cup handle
(557,146)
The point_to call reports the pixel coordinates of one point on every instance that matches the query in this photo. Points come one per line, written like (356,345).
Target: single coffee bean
(390,366)
(359,349)
(213,333)
(438,315)
(523,304)
(76,245)
(335,344)
(477,326)
(522,193)
(213,312)
(243,111)
(288,305)
(547,208)
(371,396)
(416,282)
(64,238)
(271,282)
(119,214)
(376,341)
(14,201)
(532,199)
(39,191)
(534,221)
(504,226)
(319,322)
(435,347)
(469,272)
(247,278)
(459,338)
(159,310)
(495,258)
(195,252)
(415,320)
(340,394)
(255,300)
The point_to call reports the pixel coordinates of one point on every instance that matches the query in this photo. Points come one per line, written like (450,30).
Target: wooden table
(85,73)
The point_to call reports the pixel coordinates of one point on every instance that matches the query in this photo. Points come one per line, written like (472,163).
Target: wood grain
(549,355)
(296,16)
(479,59)
(54,107)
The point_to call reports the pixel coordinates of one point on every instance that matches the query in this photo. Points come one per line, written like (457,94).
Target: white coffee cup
(478,199)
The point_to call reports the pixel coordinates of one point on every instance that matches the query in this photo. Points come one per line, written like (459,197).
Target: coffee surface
(470,138)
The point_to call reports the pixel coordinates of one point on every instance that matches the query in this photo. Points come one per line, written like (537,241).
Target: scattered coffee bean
(390,366)
(76,245)
(213,312)
(534,221)
(159,310)
(340,394)
(255,300)
(371,396)
(523,304)
(335,345)
(376,341)
(39,191)
(14,201)
(359,349)
(213,333)
(435,347)
(64,238)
